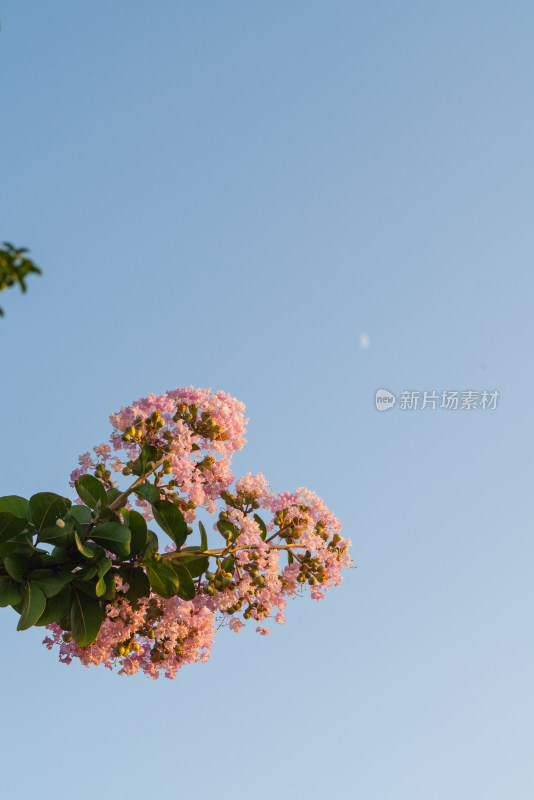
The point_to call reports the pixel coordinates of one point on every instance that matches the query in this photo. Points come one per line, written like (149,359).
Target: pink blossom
(302,531)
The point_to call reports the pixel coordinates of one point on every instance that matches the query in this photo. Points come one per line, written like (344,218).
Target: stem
(224,551)
(277,533)
(119,502)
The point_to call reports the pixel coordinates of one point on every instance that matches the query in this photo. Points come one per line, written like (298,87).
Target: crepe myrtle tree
(15,267)
(114,577)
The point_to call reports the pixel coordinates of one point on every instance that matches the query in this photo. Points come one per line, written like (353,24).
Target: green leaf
(88,587)
(33,605)
(84,550)
(262,525)
(86,619)
(16,566)
(90,491)
(196,563)
(139,585)
(225,527)
(103,566)
(15,546)
(65,622)
(196,566)
(10,525)
(228,565)
(46,508)
(111,589)
(113,536)
(147,491)
(112,494)
(85,573)
(15,505)
(203,537)
(151,545)
(57,536)
(162,578)
(137,525)
(290,558)
(42,557)
(107,515)
(57,607)
(49,581)
(81,514)
(171,520)
(148,453)
(186,587)
(10,592)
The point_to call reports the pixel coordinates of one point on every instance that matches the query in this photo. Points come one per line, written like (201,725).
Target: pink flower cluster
(182,633)
(248,580)
(193,448)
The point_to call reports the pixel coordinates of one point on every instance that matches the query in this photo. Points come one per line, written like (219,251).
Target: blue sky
(228,195)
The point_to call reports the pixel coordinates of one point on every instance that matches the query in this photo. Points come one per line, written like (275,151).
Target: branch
(119,502)
(224,551)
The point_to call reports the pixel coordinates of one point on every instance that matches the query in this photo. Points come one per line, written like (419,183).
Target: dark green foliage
(138,529)
(86,617)
(33,605)
(91,491)
(91,546)
(15,267)
(262,525)
(186,587)
(171,520)
(147,491)
(162,578)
